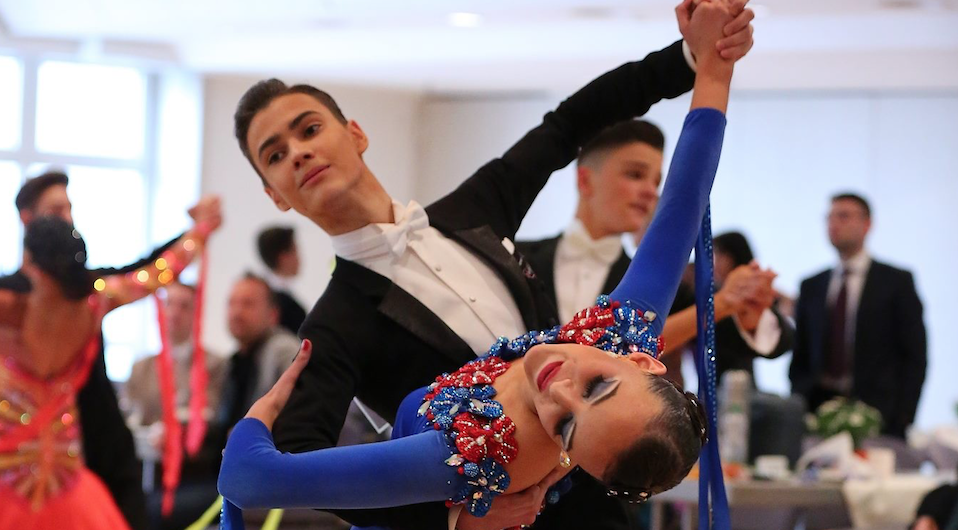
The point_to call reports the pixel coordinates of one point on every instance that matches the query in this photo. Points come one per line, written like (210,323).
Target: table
(793,496)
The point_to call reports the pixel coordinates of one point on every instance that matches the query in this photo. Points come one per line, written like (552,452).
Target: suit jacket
(270,357)
(108,447)
(291,314)
(541,255)
(889,357)
(142,389)
(734,352)
(375,341)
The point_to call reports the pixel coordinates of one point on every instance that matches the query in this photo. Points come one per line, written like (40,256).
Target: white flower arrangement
(841,414)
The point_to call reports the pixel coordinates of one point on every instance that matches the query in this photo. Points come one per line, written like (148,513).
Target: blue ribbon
(711,483)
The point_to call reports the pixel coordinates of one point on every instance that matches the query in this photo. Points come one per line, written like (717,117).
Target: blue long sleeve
(397,472)
(653,276)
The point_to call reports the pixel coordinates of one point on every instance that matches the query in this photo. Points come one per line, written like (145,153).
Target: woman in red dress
(48,342)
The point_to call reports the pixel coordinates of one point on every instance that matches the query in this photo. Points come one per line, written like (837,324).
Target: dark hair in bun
(58,250)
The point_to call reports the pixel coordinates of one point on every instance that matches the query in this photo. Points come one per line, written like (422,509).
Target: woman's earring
(564,459)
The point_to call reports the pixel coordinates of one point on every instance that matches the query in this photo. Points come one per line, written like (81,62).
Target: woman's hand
(736,38)
(514,509)
(706,27)
(209,211)
(268,407)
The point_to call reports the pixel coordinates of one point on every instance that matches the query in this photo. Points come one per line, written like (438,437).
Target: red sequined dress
(43,481)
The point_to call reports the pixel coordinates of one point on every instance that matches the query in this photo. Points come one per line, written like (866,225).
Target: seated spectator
(265,348)
(197,488)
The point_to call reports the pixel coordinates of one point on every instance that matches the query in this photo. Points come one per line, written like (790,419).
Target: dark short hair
(34,188)
(735,246)
(667,449)
(259,96)
(273,242)
(848,196)
(57,249)
(272,296)
(619,135)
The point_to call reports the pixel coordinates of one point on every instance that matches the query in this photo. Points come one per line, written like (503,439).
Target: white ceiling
(517,45)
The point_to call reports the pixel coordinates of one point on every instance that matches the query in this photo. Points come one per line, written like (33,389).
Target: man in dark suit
(277,248)
(108,447)
(418,291)
(859,326)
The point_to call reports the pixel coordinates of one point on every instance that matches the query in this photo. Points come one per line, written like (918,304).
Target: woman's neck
(536,446)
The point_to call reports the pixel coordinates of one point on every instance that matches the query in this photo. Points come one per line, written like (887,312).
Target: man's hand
(736,38)
(706,27)
(514,509)
(738,33)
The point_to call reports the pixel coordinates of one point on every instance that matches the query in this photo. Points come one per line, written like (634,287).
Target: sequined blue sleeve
(397,472)
(654,274)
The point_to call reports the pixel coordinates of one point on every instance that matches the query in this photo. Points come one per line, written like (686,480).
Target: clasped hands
(747,292)
(719,27)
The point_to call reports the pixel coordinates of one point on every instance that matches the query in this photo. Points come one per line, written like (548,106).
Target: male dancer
(415,290)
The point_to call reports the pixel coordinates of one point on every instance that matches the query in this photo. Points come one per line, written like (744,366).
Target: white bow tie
(391,238)
(578,245)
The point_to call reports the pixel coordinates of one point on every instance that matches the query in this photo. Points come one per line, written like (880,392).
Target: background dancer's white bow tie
(577,245)
(385,238)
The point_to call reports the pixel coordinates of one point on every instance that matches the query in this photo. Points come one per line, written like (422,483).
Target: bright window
(109,209)
(10,234)
(128,138)
(11,102)
(90,110)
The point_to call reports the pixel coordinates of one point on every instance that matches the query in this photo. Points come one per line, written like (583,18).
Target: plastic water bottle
(734,394)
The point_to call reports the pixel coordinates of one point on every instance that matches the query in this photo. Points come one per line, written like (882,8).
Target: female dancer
(586,394)
(48,342)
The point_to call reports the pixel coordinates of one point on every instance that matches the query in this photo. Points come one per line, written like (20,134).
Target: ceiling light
(465,20)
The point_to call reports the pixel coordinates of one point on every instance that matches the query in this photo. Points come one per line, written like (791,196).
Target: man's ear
(25,217)
(280,203)
(359,138)
(648,363)
(583,181)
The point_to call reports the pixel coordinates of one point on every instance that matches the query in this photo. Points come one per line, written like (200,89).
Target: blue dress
(411,468)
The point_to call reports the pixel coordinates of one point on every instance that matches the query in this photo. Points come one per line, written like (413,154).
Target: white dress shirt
(581,267)
(766,336)
(445,277)
(277,282)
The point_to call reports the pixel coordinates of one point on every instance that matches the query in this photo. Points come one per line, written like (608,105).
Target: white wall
(388,118)
(785,154)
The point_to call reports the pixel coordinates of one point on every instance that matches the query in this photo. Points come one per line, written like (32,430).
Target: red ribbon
(196,428)
(199,378)
(172,448)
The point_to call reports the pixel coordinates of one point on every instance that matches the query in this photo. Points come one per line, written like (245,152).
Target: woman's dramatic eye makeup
(597,389)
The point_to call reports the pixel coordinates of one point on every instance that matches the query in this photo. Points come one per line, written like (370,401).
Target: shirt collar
(380,239)
(856,264)
(577,243)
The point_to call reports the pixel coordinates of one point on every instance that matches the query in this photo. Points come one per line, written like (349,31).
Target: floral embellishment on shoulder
(480,437)
(479,434)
